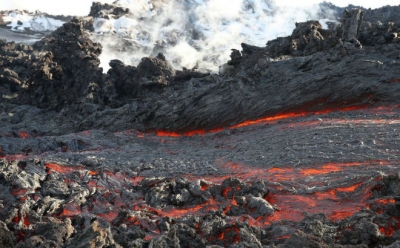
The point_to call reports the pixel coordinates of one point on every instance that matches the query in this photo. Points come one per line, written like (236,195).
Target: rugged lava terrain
(295,144)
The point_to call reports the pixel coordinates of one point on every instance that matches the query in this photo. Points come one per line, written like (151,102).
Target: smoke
(81,7)
(196,32)
(53,7)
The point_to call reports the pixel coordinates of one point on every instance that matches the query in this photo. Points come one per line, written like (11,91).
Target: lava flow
(265,196)
(238,201)
(297,114)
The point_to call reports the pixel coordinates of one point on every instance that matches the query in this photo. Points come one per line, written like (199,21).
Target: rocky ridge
(61,72)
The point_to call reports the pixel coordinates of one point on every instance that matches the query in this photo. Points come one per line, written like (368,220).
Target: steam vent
(292,144)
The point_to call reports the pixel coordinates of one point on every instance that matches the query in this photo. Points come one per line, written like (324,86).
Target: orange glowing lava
(331,167)
(58,168)
(15,219)
(264,120)
(229,235)
(24,219)
(338,215)
(349,188)
(286,173)
(297,114)
(26,222)
(164,133)
(23,135)
(296,207)
(388,231)
(110,216)
(335,202)
(210,205)
(167,133)
(136,180)
(70,210)
(386,201)
(14,157)
(392,225)
(66,169)
(270,119)
(18,192)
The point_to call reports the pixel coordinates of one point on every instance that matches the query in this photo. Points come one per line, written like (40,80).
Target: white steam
(195,32)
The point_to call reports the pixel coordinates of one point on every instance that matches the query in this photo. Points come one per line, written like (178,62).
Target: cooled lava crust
(296,146)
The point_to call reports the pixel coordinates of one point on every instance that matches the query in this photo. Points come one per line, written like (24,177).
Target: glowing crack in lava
(297,114)
(284,194)
(330,195)
(240,194)
(337,202)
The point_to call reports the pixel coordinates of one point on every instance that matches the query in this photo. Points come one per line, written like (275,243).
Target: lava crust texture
(294,144)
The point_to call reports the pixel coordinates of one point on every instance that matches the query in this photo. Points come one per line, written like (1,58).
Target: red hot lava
(264,120)
(333,198)
(294,193)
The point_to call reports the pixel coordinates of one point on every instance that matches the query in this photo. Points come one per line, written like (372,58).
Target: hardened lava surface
(319,179)
(294,144)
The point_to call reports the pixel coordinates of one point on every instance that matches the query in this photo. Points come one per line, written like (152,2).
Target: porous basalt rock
(6,236)
(351,24)
(107,11)
(380,26)
(60,69)
(154,95)
(154,71)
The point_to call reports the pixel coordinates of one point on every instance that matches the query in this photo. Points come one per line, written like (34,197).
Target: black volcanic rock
(155,71)
(57,231)
(107,11)
(151,75)
(123,77)
(37,241)
(60,69)
(63,73)
(77,58)
(97,232)
(6,236)
(351,24)
(306,39)
(236,57)
(380,26)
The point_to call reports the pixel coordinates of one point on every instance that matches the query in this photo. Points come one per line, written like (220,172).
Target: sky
(82,7)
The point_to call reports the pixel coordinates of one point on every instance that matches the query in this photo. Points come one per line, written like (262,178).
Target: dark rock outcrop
(351,24)
(154,71)
(6,236)
(107,11)
(63,73)
(61,69)
(380,26)
(307,38)
(123,77)
(150,76)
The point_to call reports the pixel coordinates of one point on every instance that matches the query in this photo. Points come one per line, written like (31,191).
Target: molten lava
(165,133)
(200,209)
(23,135)
(65,169)
(292,193)
(264,120)
(297,114)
